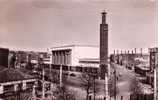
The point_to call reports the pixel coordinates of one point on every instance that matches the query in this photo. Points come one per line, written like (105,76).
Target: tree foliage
(63,93)
(89,83)
(12,60)
(111,87)
(135,87)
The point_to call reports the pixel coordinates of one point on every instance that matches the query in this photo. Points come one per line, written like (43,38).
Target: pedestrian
(121,97)
(117,78)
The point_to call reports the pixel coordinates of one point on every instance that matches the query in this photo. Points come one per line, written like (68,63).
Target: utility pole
(34,93)
(50,62)
(153,67)
(61,75)
(106,86)
(155,87)
(94,85)
(43,84)
(115,79)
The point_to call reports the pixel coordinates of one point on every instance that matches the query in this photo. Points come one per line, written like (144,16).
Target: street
(125,77)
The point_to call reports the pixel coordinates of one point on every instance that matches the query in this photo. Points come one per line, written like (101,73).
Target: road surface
(125,77)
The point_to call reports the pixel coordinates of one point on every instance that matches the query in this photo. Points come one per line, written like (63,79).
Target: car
(120,74)
(73,75)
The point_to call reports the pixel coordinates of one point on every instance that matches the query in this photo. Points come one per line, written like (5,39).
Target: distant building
(130,60)
(28,58)
(4,52)
(75,56)
(154,66)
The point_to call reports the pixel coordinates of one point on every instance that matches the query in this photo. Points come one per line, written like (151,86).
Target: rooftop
(75,46)
(10,74)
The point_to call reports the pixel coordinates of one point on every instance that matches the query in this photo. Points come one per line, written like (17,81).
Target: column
(52,57)
(66,58)
(1,89)
(55,58)
(59,57)
(69,58)
(24,86)
(61,60)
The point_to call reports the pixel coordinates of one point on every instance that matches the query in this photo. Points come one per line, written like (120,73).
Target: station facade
(74,55)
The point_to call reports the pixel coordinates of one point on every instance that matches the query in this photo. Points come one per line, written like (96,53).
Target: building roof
(143,66)
(10,74)
(89,60)
(75,46)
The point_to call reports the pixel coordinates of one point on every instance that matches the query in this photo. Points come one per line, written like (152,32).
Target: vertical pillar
(52,58)
(66,58)
(117,52)
(141,51)
(69,58)
(55,58)
(1,89)
(114,52)
(128,52)
(135,50)
(59,57)
(62,57)
(106,87)
(155,88)
(121,52)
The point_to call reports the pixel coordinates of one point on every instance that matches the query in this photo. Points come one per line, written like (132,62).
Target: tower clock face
(105,28)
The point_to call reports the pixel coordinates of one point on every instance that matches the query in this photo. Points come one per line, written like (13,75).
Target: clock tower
(103,46)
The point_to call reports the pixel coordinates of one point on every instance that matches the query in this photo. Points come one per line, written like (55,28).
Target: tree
(135,87)
(63,93)
(12,60)
(29,64)
(112,88)
(89,84)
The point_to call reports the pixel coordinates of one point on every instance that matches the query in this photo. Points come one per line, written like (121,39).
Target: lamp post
(43,84)
(155,87)
(115,79)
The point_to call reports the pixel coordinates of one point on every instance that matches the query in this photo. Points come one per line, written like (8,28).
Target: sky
(41,24)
